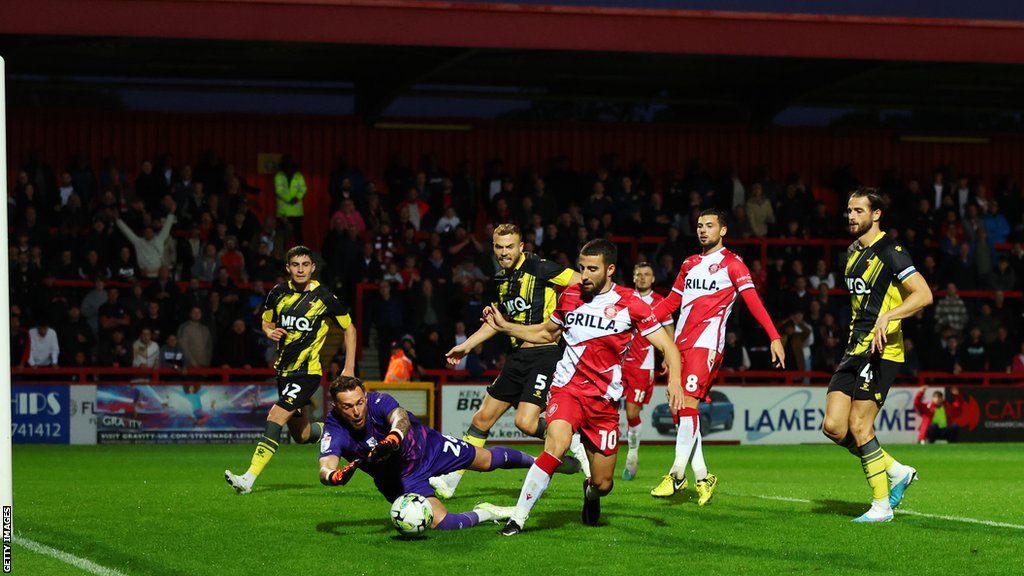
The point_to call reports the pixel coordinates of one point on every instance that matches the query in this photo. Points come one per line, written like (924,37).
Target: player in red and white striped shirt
(638,370)
(704,293)
(598,321)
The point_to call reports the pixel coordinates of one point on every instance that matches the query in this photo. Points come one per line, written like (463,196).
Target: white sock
(452,479)
(896,471)
(533,488)
(576,447)
(249,477)
(881,506)
(700,468)
(633,440)
(685,440)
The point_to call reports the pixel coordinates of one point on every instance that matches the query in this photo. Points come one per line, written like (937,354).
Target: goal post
(6,480)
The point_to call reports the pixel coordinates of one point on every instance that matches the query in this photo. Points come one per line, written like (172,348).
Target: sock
(537,480)
(700,468)
(633,440)
(686,437)
(873,462)
(458,521)
(265,449)
(316,431)
(592,493)
(508,458)
(542,428)
(850,443)
(576,447)
(475,437)
(893,468)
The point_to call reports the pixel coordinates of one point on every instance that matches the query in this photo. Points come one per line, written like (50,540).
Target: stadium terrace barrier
(785,378)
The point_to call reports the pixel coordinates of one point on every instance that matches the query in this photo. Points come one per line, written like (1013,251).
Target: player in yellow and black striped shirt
(296,316)
(525,290)
(885,287)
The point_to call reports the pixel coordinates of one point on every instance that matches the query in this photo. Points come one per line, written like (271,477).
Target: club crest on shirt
(714,268)
(610,311)
(371,442)
(552,409)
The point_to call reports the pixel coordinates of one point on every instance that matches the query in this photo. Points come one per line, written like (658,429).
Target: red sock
(684,412)
(547,463)
(633,422)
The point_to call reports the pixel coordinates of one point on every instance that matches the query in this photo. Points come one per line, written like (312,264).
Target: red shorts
(637,384)
(700,367)
(594,417)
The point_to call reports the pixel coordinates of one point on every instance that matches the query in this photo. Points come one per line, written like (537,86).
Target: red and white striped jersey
(597,334)
(706,287)
(641,353)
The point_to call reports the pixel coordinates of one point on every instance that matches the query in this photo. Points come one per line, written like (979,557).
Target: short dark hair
(875,198)
(345,384)
(644,264)
(723,218)
(297,251)
(606,249)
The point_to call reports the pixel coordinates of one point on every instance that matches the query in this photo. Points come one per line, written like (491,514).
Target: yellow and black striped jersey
(304,315)
(874,277)
(526,293)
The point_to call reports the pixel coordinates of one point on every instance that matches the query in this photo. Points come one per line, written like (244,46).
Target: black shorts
(295,391)
(864,378)
(526,376)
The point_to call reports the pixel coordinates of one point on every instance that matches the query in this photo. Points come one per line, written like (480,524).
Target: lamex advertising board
(748,415)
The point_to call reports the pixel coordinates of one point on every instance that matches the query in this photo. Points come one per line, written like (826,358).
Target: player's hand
(922,388)
(494,318)
(385,448)
(778,354)
(349,373)
(456,354)
(664,368)
(341,476)
(277,333)
(675,394)
(954,391)
(879,336)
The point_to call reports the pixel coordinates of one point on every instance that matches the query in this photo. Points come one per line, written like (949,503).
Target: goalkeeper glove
(386,447)
(341,476)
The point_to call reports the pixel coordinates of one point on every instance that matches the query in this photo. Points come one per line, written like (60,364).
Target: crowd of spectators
(175,262)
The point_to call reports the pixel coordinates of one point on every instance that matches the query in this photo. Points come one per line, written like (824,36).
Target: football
(411,514)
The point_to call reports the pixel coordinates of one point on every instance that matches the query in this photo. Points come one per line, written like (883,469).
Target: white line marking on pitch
(80,563)
(992,523)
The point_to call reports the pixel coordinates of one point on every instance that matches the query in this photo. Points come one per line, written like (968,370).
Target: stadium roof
(712,64)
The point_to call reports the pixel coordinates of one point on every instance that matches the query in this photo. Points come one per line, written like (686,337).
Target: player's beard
(861,228)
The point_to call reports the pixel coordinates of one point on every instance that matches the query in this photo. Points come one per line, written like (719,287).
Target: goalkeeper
(376,435)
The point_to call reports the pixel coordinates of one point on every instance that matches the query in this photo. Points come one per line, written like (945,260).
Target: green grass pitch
(166,510)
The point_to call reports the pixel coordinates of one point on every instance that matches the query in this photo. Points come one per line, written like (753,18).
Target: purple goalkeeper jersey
(425,452)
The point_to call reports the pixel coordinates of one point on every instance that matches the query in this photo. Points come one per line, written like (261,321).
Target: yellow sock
(473,441)
(872,460)
(889,461)
(265,450)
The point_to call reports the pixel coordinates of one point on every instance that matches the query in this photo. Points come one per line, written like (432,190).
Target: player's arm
(392,443)
(662,341)
(331,475)
(918,296)
(269,318)
(483,334)
(664,310)
(739,275)
(546,333)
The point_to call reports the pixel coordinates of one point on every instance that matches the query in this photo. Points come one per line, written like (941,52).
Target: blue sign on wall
(40,414)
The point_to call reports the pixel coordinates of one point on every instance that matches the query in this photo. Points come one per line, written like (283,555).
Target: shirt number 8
(691,383)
